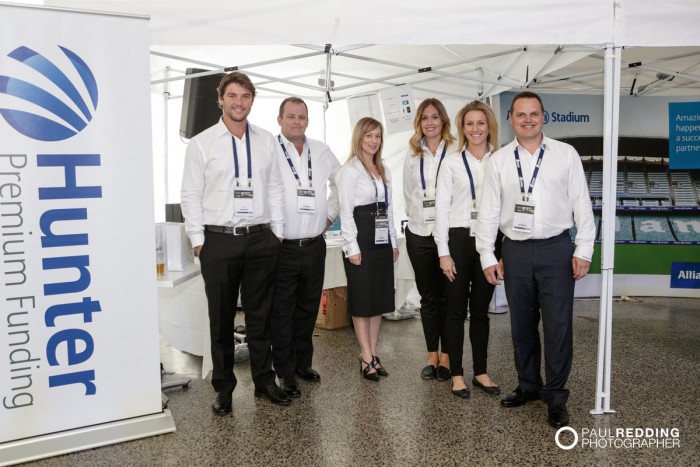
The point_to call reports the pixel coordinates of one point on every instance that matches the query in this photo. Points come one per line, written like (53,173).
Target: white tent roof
(542,44)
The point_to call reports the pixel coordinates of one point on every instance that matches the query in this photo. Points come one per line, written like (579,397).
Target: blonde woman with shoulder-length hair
(458,193)
(369,240)
(430,144)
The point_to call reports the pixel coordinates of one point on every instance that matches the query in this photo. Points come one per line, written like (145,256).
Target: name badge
(381,229)
(243,203)
(524,217)
(306,200)
(472,224)
(429,210)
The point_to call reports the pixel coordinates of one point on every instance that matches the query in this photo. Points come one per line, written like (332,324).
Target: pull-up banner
(684,135)
(78,304)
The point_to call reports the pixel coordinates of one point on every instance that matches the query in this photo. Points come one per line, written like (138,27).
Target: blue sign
(684,135)
(685,275)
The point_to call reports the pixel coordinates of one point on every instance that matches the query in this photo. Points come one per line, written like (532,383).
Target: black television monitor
(200,108)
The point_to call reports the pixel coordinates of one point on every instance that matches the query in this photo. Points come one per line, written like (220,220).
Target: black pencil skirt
(371,284)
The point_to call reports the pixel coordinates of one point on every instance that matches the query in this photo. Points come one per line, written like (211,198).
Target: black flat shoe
(461,393)
(381,371)
(366,370)
(490,390)
(429,372)
(273,393)
(222,403)
(443,373)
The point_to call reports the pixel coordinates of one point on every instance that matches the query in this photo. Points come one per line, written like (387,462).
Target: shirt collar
(545,143)
(223,131)
(425,148)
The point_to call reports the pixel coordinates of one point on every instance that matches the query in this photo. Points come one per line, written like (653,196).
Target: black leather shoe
(558,415)
(443,373)
(381,371)
(365,372)
(273,393)
(290,386)
(308,374)
(519,397)
(429,372)
(222,403)
(490,390)
(461,393)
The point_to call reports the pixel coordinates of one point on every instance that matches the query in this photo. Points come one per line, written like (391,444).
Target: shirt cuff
(278,230)
(488,260)
(443,249)
(393,242)
(197,239)
(584,252)
(351,249)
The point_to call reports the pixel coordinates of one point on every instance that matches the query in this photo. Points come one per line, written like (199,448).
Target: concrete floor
(403,420)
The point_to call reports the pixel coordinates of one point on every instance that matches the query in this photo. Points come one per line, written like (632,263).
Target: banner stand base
(40,447)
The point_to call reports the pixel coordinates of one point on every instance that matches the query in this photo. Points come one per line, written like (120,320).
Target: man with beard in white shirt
(308,169)
(535,191)
(232,199)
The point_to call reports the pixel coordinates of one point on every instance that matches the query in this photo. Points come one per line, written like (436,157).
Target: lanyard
(471,178)
(534,174)
(235,155)
(422,177)
(376,194)
(291,164)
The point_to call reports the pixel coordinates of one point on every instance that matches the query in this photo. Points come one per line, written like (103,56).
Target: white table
(182,313)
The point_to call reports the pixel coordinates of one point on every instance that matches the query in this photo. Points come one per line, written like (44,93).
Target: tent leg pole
(610,136)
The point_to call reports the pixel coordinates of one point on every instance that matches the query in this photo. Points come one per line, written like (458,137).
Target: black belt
(556,238)
(237,230)
(301,241)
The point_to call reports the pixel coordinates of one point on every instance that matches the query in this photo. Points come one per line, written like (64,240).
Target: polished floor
(404,421)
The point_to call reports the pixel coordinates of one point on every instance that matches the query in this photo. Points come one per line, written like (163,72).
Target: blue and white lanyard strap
(471,178)
(235,156)
(291,164)
(534,174)
(422,177)
(376,194)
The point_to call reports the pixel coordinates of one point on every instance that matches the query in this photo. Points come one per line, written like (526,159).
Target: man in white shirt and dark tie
(535,191)
(308,169)
(232,200)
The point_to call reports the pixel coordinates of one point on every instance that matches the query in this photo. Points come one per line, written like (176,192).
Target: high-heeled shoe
(380,369)
(366,370)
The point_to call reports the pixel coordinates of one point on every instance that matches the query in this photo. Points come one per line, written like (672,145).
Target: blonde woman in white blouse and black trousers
(369,240)
(458,190)
(430,144)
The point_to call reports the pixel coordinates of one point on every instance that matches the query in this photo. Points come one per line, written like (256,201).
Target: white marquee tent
(597,46)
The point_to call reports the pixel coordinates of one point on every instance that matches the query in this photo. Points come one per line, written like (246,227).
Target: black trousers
(469,290)
(249,262)
(539,282)
(432,287)
(297,295)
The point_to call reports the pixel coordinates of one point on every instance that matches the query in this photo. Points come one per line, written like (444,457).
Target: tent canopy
(550,46)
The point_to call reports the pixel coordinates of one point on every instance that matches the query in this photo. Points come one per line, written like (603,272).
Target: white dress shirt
(413,191)
(454,202)
(208,181)
(357,188)
(560,196)
(324,166)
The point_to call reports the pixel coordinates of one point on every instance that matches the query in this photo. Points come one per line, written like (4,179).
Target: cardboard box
(333,310)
